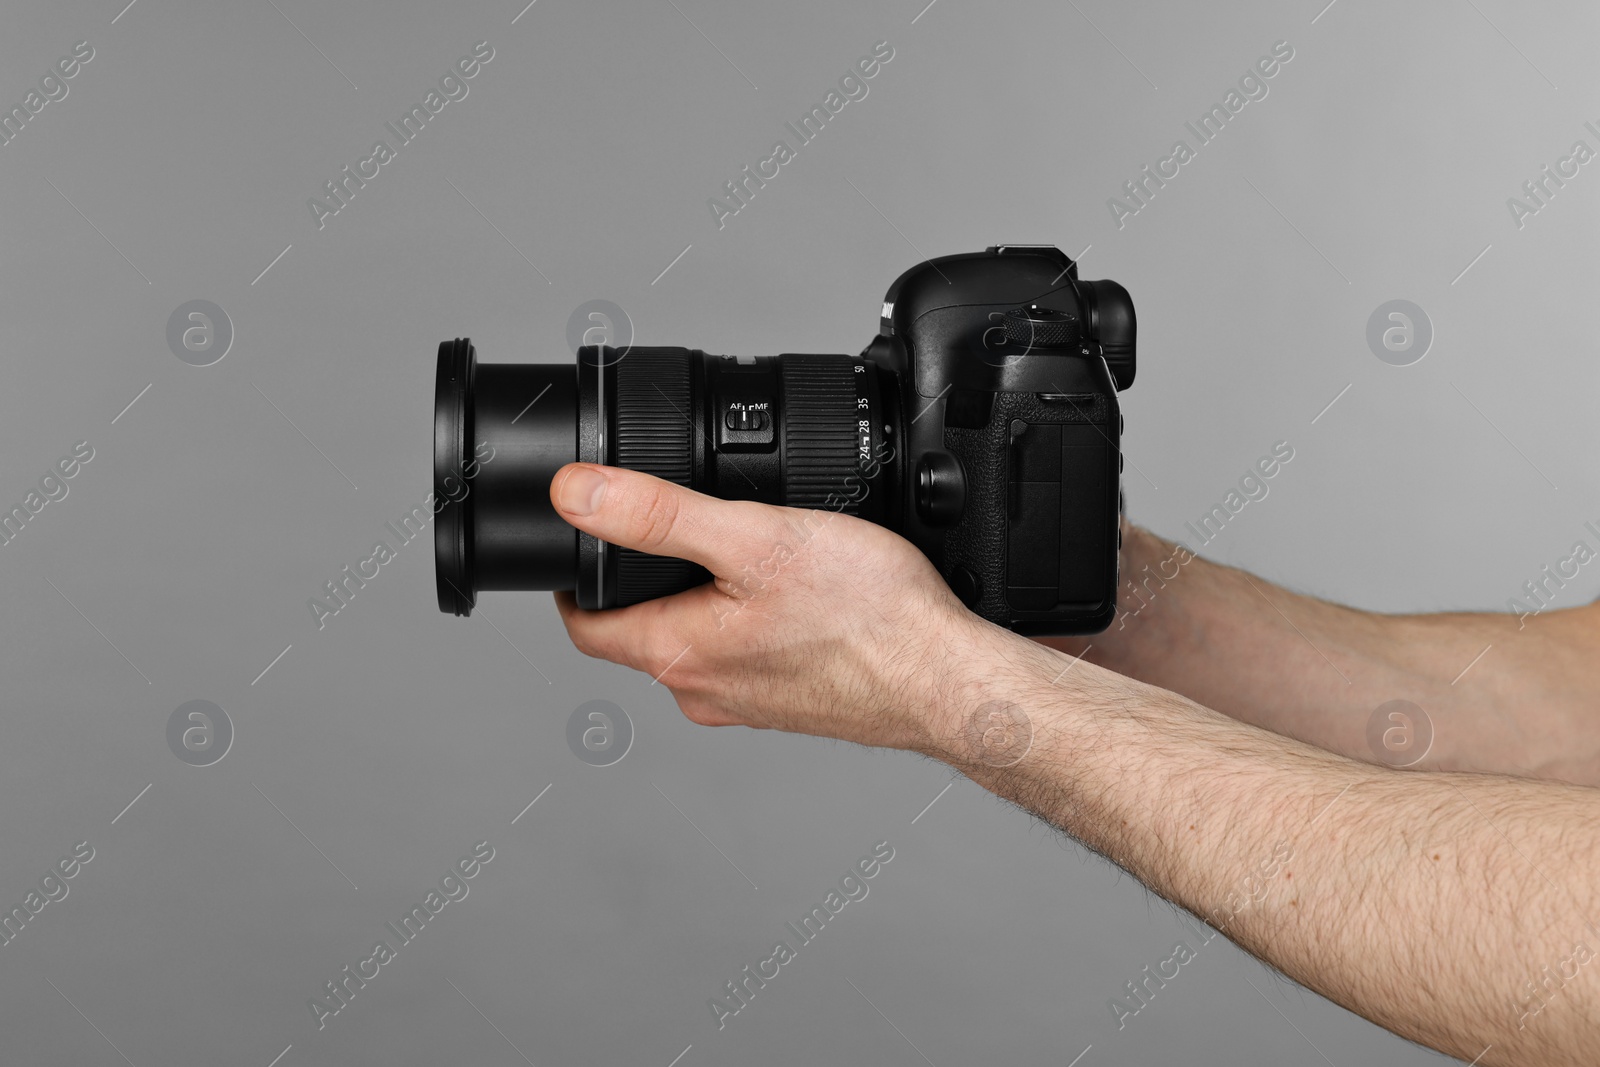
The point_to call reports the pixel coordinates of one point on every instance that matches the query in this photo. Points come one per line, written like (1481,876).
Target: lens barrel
(501,431)
(801,430)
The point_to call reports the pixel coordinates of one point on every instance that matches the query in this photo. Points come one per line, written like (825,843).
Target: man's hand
(816,623)
(1450,908)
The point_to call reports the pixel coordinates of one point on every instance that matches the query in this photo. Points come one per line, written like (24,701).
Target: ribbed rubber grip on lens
(819,430)
(653,432)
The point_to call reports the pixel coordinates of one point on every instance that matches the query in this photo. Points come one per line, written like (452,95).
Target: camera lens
(800,430)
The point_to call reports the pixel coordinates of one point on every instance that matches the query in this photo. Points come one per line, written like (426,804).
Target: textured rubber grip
(820,432)
(653,433)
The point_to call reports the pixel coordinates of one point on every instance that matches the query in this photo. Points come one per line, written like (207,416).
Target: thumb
(639,511)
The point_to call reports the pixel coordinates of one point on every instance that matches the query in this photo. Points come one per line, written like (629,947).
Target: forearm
(1502,696)
(1422,902)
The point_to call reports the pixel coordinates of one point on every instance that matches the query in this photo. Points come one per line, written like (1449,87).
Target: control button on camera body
(1040,327)
(941,489)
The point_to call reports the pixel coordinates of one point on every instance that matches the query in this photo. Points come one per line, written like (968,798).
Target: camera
(981,424)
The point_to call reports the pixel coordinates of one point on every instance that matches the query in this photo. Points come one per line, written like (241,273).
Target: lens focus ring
(653,432)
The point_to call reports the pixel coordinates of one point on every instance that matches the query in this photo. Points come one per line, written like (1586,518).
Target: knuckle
(653,519)
(700,714)
(584,642)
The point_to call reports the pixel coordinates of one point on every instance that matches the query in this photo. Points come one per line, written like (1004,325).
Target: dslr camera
(981,424)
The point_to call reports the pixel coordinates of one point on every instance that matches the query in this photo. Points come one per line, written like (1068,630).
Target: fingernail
(581,491)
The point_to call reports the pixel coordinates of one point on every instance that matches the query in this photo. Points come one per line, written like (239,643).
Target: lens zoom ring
(819,431)
(653,433)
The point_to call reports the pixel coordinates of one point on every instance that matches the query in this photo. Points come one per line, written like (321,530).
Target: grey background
(396,737)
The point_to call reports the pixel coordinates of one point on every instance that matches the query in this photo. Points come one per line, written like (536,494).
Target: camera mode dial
(1039,327)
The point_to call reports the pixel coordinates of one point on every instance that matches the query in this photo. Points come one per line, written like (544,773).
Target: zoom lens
(800,430)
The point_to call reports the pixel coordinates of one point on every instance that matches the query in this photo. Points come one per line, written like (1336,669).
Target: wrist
(1086,748)
(1148,566)
(1140,549)
(1005,702)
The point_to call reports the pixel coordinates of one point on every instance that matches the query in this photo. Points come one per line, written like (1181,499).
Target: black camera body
(1009,369)
(981,424)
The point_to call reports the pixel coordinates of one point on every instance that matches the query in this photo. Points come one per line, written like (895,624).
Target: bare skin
(1455,909)
(1506,695)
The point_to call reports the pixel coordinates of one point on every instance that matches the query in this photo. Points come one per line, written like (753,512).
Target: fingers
(662,518)
(641,636)
(646,638)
